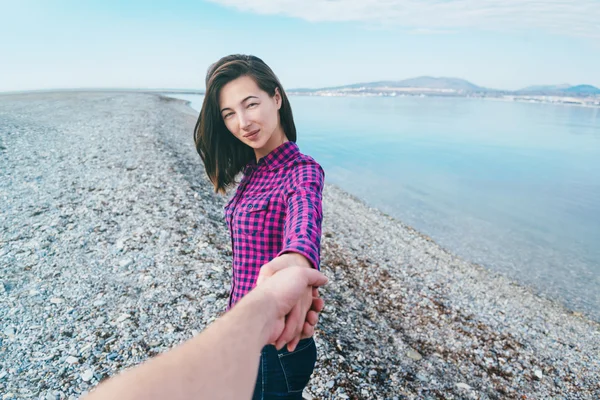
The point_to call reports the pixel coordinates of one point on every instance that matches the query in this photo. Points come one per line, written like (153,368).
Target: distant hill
(583,89)
(560,90)
(422,82)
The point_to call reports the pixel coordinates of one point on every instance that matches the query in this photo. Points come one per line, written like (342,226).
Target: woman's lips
(252,134)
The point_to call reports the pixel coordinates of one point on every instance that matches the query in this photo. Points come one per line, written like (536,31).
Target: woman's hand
(304,316)
(283,292)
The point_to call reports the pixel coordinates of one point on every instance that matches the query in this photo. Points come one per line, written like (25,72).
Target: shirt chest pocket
(251,215)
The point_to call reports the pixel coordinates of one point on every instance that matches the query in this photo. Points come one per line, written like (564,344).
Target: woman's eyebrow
(249,97)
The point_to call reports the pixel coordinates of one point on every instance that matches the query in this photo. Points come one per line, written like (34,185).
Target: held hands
(285,291)
(302,317)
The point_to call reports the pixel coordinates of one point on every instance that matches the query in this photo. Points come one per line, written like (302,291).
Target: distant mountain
(422,82)
(583,89)
(560,90)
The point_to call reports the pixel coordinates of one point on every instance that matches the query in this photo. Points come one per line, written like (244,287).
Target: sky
(500,44)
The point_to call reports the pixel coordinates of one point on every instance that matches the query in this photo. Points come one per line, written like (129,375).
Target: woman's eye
(226,116)
(252,105)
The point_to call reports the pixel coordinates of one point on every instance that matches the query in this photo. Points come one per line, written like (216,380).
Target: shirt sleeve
(304,213)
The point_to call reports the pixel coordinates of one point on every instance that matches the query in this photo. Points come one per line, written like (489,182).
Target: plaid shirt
(276,209)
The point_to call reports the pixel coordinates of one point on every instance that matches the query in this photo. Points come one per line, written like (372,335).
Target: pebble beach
(113,249)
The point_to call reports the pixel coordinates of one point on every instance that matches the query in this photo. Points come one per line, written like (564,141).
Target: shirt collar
(278,157)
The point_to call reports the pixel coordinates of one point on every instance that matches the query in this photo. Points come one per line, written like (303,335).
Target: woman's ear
(278,99)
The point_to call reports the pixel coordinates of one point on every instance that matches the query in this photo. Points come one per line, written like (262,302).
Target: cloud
(429,31)
(564,17)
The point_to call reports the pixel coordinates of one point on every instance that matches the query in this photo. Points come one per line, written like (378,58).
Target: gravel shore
(113,248)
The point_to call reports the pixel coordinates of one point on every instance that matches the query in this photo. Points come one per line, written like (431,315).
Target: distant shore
(557,100)
(579,101)
(114,249)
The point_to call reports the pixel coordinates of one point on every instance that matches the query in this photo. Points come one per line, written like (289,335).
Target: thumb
(315,278)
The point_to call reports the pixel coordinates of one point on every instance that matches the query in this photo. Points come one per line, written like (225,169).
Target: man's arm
(221,362)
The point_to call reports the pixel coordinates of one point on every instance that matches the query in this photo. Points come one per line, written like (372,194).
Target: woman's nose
(244,121)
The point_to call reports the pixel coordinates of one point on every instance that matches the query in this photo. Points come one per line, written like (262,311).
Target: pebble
(414,355)
(330,384)
(72,360)
(87,375)
(10,332)
(211,298)
(99,303)
(123,317)
(125,263)
(86,348)
(538,374)
(56,300)
(461,385)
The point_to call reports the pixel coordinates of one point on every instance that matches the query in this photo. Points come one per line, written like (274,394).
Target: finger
(317,304)
(263,275)
(307,331)
(315,278)
(312,317)
(291,326)
(303,307)
(266,271)
(315,292)
(292,345)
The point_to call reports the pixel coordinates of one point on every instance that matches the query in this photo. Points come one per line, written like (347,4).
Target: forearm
(220,363)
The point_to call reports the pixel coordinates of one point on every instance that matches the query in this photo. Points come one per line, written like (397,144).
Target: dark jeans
(283,375)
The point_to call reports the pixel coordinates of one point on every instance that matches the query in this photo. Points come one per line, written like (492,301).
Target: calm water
(512,186)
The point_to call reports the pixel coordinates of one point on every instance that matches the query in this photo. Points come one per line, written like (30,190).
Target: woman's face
(251,115)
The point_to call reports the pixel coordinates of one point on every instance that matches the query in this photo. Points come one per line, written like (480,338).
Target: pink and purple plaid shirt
(276,209)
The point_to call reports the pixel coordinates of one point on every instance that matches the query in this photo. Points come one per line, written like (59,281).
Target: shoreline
(118,195)
(507,99)
(185,92)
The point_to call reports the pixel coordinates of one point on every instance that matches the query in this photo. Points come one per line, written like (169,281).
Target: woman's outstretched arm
(301,245)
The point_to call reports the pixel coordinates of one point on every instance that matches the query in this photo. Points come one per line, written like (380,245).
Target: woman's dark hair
(224,156)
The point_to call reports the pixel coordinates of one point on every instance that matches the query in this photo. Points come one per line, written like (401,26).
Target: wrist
(263,307)
(297,259)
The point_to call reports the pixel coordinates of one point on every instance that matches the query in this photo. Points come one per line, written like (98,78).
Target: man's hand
(303,318)
(287,291)
(281,262)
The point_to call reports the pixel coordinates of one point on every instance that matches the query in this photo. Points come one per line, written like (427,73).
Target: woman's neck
(277,139)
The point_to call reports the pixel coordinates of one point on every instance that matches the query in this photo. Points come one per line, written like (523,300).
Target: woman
(274,218)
